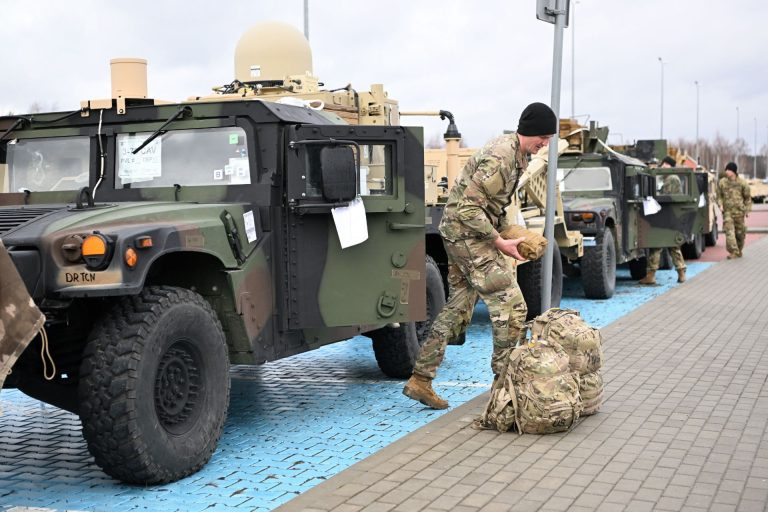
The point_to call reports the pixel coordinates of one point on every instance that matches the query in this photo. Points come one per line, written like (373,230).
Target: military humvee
(608,197)
(166,241)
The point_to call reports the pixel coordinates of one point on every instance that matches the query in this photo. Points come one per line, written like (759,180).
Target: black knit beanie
(731,166)
(537,119)
(669,161)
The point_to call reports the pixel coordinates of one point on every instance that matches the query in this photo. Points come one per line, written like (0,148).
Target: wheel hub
(177,387)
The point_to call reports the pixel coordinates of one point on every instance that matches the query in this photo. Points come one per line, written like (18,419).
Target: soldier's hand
(509,247)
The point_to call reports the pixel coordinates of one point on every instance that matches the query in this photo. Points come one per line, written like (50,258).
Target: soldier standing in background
(473,217)
(672,185)
(735,202)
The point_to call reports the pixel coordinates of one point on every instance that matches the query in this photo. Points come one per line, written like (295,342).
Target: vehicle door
(380,280)
(677,193)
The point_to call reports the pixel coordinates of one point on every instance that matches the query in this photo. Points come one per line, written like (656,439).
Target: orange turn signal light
(131,257)
(144,242)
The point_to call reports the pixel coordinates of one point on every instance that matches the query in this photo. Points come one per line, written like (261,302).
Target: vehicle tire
(692,250)
(638,268)
(154,386)
(530,278)
(396,349)
(598,267)
(711,237)
(435,299)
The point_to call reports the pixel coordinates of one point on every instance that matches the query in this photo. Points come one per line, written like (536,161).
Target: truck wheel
(711,238)
(435,299)
(396,349)
(692,250)
(530,278)
(154,386)
(598,267)
(638,268)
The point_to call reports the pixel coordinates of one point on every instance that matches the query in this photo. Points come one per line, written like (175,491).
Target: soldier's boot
(419,388)
(650,278)
(681,275)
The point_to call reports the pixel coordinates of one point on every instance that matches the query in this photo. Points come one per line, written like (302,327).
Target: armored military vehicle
(612,199)
(166,241)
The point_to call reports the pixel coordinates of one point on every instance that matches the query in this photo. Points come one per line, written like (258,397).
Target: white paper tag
(650,206)
(351,223)
(250,226)
(702,201)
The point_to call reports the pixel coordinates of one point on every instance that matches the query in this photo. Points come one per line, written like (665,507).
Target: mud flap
(20,320)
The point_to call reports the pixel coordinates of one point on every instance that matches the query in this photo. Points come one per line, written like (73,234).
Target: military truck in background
(758,189)
(651,152)
(605,197)
(166,241)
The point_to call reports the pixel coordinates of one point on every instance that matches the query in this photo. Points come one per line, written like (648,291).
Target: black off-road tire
(710,239)
(435,299)
(154,386)
(598,267)
(638,268)
(396,349)
(692,250)
(530,279)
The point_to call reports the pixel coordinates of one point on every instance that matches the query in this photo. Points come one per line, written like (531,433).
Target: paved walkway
(684,425)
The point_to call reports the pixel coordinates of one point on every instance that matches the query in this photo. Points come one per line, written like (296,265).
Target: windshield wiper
(185,111)
(19,122)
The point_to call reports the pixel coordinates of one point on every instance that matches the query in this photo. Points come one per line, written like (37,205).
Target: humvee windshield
(585,178)
(45,165)
(201,157)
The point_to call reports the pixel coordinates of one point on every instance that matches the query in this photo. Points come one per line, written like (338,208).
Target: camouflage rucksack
(536,393)
(583,344)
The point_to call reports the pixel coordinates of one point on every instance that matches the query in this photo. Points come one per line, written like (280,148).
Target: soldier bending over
(472,220)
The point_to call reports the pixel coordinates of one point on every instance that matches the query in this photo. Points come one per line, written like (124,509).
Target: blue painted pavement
(292,423)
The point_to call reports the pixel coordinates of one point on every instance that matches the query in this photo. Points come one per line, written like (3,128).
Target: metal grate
(11,218)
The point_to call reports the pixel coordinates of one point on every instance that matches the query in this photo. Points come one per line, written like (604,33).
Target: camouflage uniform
(735,201)
(472,220)
(672,185)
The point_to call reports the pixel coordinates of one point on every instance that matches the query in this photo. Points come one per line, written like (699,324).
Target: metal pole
(736,159)
(573,60)
(754,159)
(697,122)
(306,19)
(549,222)
(661,128)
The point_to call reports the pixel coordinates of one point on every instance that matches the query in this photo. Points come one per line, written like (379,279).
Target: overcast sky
(482,60)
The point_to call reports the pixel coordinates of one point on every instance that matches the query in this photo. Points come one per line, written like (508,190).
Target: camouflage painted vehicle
(651,152)
(605,196)
(758,189)
(166,241)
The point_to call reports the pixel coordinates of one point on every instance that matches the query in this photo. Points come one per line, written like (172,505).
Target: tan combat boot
(420,388)
(681,275)
(650,278)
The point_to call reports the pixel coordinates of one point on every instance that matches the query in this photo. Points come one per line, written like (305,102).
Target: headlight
(97,251)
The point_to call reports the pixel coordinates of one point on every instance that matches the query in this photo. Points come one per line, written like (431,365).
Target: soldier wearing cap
(671,185)
(470,226)
(735,201)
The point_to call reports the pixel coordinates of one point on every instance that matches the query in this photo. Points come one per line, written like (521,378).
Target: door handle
(401,226)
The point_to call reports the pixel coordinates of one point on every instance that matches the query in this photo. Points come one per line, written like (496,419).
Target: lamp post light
(696,82)
(661,126)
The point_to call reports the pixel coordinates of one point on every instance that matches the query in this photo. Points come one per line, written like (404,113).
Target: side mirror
(338,168)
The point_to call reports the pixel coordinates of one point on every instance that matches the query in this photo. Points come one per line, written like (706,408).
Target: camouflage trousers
(735,229)
(475,269)
(654,257)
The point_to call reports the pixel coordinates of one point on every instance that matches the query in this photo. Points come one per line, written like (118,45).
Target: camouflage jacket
(672,185)
(483,189)
(733,196)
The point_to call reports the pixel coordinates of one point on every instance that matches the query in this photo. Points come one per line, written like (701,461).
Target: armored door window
(48,164)
(375,170)
(672,184)
(201,157)
(585,178)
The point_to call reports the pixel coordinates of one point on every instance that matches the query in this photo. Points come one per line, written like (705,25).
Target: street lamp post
(661,127)
(737,135)
(573,59)
(697,121)
(754,158)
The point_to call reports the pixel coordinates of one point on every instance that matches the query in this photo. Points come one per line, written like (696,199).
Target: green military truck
(166,241)
(608,197)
